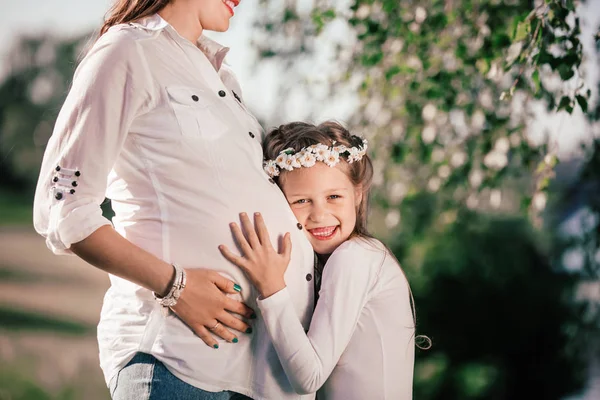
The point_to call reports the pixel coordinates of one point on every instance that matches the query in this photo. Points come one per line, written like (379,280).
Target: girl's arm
(109,90)
(308,359)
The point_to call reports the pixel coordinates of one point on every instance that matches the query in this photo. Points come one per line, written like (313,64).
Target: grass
(21,320)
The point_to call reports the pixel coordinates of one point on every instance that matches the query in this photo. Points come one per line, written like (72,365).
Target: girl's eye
(335,196)
(301,201)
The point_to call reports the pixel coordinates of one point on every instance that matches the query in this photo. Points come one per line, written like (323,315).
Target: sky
(73,17)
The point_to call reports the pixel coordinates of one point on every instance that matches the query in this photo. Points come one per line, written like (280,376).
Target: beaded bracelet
(170,299)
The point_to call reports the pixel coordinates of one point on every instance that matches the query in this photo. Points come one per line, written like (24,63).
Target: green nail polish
(216,346)
(249,330)
(235,340)
(237,287)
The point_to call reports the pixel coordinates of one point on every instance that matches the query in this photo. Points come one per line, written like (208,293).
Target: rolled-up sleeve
(109,90)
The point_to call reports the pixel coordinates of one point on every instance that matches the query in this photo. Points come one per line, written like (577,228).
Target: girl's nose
(317,213)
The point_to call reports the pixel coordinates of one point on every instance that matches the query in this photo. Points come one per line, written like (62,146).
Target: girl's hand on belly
(260,261)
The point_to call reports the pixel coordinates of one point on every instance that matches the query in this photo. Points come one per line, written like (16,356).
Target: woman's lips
(324,233)
(231,4)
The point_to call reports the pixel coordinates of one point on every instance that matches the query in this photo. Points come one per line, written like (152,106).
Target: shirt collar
(214,51)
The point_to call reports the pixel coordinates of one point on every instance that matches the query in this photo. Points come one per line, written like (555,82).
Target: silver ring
(215,327)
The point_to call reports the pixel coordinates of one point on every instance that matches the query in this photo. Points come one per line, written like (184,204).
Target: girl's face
(324,201)
(214,15)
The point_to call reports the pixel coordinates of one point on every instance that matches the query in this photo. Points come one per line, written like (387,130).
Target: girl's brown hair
(298,135)
(124,11)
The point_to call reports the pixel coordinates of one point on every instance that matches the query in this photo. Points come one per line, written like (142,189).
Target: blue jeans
(146,378)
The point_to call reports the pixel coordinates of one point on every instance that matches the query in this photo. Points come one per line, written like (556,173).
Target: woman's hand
(260,261)
(205,309)
(202,304)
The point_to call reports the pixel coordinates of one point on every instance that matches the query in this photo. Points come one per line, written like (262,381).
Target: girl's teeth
(328,232)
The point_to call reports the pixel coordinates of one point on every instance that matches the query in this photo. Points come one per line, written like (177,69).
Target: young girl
(361,339)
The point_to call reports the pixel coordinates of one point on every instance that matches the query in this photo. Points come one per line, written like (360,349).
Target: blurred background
(483,122)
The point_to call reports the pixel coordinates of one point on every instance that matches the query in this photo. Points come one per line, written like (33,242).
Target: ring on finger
(215,327)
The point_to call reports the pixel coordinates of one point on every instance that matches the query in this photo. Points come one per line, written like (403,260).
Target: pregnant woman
(156,122)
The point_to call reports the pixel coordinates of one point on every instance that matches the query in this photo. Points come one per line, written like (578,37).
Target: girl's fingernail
(216,346)
(249,330)
(237,287)
(253,316)
(257,214)
(235,340)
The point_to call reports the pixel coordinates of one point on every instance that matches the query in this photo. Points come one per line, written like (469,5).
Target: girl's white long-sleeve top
(361,339)
(158,125)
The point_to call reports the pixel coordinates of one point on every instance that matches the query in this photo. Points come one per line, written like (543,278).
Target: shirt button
(55,179)
(195,98)
(299,225)
(72,191)
(58,196)
(77,173)
(74,183)
(308,277)
(57,168)
(251,135)
(222,93)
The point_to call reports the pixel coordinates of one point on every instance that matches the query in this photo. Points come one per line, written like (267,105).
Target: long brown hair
(297,135)
(123,11)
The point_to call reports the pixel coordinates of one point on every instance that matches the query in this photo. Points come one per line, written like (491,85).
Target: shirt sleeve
(309,359)
(106,95)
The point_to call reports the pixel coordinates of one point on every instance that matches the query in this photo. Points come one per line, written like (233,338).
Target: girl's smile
(324,201)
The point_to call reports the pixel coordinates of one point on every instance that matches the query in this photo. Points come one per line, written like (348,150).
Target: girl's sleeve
(107,93)
(309,359)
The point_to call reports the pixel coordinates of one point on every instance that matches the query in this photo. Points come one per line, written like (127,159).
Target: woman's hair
(297,135)
(123,11)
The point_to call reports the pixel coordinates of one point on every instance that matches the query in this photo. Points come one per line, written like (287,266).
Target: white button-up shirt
(157,124)
(361,339)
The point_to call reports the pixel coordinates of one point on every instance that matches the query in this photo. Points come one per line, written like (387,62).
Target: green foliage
(496,311)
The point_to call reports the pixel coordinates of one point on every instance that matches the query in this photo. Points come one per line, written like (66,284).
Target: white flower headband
(289,159)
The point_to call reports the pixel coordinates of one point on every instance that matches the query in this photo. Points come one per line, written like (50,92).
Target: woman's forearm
(112,253)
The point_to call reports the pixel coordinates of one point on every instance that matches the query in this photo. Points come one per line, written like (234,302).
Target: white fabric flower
(307,159)
(332,159)
(322,152)
(271,168)
(289,162)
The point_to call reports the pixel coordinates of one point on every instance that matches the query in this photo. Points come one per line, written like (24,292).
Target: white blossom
(420,15)
(434,184)
(429,112)
(444,171)
(495,198)
(502,145)
(428,135)
(495,160)
(332,159)
(271,168)
(476,178)
(392,218)
(307,159)
(458,159)
(539,201)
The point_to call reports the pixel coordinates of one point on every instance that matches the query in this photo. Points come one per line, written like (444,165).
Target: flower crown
(289,159)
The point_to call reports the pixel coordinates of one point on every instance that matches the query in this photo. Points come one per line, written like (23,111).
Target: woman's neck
(183,21)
